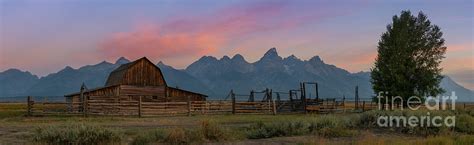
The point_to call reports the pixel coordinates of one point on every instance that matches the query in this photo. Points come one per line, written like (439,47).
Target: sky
(45,36)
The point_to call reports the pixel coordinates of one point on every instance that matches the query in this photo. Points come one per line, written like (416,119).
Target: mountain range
(216,77)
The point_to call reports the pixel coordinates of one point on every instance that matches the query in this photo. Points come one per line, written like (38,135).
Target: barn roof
(87,91)
(187,91)
(115,77)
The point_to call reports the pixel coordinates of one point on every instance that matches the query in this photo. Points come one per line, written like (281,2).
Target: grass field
(15,128)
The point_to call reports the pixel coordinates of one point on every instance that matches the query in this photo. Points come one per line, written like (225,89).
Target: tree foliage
(409,57)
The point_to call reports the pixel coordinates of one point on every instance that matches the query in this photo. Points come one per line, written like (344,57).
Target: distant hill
(14,82)
(464,95)
(68,80)
(216,77)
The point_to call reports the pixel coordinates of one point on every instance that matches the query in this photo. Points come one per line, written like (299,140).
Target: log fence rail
(137,107)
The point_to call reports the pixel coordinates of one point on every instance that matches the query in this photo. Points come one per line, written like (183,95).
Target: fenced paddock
(211,107)
(144,109)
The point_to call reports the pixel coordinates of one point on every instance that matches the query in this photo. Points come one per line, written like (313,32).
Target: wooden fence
(105,106)
(139,108)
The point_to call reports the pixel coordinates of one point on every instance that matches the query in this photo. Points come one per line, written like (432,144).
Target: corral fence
(104,106)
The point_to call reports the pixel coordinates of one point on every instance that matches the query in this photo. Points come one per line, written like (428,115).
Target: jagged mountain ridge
(16,82)
(215,77)
(180,79)
(275,72)
(281,74)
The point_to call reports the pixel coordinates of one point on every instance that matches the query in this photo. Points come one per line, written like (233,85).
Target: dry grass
(76,134)
(15,128)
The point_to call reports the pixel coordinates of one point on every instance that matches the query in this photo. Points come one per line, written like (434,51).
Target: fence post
(344,103)
(464,105)
(356,96)
(291,101)
(207,108)
(30,106)
(233,101)
(84,106)
(317,92)
(274,108)
(140,106)
(189,106)
(303,96)
(45,101)
(363,106)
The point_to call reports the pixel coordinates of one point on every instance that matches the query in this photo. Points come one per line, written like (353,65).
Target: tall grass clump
(332,126)
(369,119)
(207,131)
(153,136)
(212,131)
(176,135)
(268,130)
(80,134)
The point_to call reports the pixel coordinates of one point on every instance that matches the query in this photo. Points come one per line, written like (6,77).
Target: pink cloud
(459,57)
(182,37)
(466,47)
(149,40)
(361,61)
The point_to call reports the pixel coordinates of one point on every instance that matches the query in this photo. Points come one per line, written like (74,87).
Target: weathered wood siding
(139,73)
(148,94)
(143,73)
(106,91)
(142,90)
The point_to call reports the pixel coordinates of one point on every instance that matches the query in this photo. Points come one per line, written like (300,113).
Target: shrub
(369,119)
(465,123)
(258,130)
(76,134)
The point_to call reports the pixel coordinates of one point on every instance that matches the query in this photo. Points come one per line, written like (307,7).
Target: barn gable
(141,72)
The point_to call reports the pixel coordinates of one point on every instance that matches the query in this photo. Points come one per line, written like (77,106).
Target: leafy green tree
(409,57)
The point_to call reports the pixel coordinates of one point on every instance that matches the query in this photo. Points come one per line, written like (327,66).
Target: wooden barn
(138,79)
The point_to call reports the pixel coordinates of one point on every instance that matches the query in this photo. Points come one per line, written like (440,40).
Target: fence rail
(106,106)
